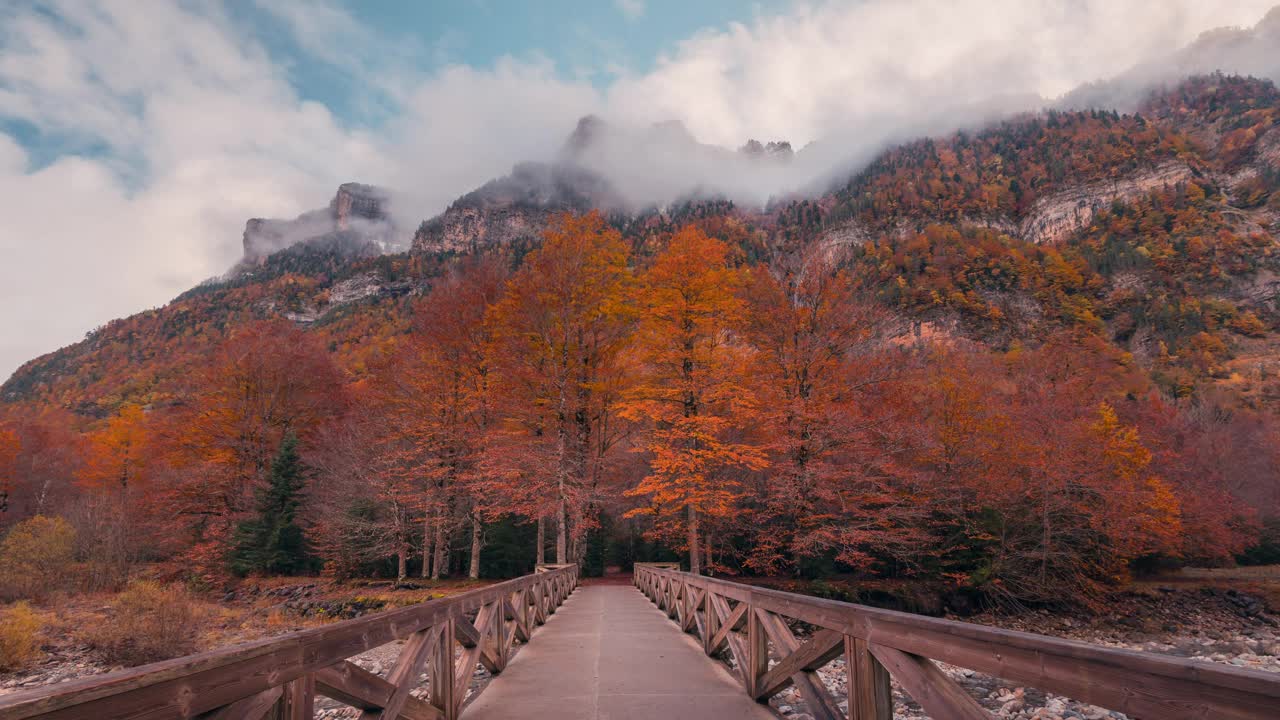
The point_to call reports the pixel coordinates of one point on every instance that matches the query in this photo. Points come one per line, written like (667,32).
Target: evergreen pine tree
(272,543)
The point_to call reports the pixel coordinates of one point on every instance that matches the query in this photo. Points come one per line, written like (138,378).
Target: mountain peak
(356,209)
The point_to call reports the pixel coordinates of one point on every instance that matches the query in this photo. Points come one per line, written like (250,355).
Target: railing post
(712,621)
(298,700)
(757,660)
(442,673)
(497,637)
(870,697)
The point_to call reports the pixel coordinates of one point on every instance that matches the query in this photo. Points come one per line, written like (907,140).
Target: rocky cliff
(516,207)
(356,220)
(1055,217)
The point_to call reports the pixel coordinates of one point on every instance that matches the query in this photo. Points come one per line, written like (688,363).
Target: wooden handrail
(286,672)
(877,644)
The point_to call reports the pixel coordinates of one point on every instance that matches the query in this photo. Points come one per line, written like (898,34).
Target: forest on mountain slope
(943,399)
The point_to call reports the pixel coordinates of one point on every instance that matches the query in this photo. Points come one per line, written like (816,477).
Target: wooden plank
(1136,683)
(470,636)
(938,694)
(713,622)
(352,685)
(699,624)
(757,652)
(300,699)
(870,696)
(497,638)
(690,618)
(726,621)
(404,675)
(250,708)
(442,673)
(466,663)
(526,628)
(186,687)
(797,666)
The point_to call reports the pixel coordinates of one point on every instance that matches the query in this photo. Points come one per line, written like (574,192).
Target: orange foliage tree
(1053,490)
(830,384)
(557,333)
(114,458)
(693,386)
(435,402)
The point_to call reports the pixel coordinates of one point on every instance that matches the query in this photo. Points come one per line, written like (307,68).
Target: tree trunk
(402,563)
(426,546)
(541,556)
(562,533)
(438,568)
(474,571)
(706,556)
(695,566)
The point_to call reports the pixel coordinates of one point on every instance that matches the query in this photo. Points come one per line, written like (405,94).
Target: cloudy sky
(137,137)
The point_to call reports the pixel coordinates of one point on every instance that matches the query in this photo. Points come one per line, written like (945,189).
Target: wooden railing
(283,675)
(876,644)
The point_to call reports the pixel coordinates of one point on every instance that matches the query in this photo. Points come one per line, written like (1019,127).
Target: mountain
(1242,51)
(662,161)
(356,223)
(1155,229)
(515,208)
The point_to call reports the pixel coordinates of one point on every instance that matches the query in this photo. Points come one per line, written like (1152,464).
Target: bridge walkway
(609,653)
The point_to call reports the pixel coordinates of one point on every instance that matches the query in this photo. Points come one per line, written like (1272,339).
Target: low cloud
(177,123)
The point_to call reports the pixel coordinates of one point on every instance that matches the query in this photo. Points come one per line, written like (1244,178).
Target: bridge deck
(609,653)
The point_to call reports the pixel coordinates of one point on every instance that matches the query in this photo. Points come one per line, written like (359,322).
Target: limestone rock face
(358,201)
(357,216)
(1056,216)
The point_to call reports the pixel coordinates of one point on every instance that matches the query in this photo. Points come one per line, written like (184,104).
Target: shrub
(36,556)
(148,622)
(19,637)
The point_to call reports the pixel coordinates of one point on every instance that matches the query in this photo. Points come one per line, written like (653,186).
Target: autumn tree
(693,386)
(47,460)
(435,397)
(10,446)
(113,478)
(1221,463)
(363,510)
(114,453)
(829,380)
(1052,494)
(268,380)
(557,333)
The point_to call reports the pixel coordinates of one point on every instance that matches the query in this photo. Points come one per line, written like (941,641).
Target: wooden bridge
(609,653)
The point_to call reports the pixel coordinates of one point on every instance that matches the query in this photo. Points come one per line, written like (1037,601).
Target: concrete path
(609,653)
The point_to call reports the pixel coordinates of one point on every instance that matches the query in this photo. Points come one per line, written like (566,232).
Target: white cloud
(184,125)
(464,126)
(630,9)
(823,70)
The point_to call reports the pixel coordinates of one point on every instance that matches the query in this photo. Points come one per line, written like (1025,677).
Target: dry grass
(19,637)
(147,622)
(150,621)
(34,557)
